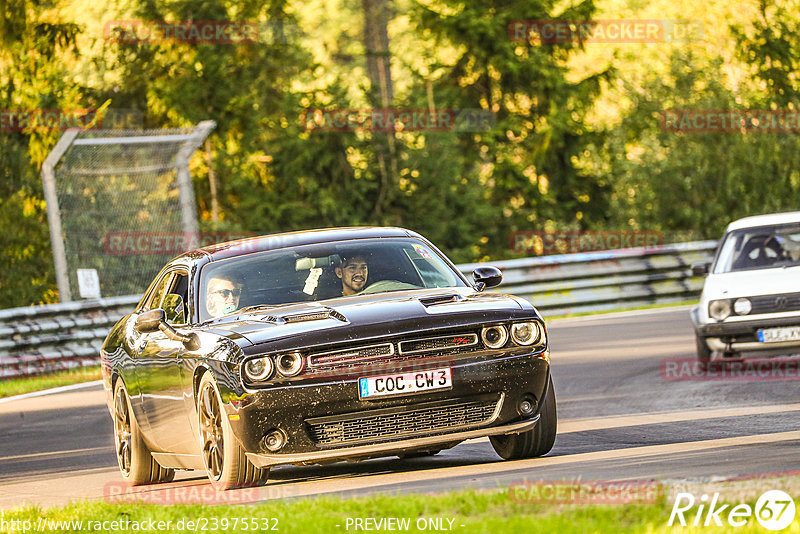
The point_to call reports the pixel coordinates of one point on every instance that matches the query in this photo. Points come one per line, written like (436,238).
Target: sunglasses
(225,293)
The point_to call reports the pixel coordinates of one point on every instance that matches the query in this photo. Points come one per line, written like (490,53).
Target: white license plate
(405,383)
(776,335)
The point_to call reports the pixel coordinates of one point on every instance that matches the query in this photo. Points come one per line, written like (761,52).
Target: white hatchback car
(751,298)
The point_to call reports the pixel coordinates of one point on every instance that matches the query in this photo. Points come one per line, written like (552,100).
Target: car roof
(764,220)
(294,239)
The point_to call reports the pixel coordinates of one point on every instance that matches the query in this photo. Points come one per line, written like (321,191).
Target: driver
(786,248)
(222,297)
(353,273)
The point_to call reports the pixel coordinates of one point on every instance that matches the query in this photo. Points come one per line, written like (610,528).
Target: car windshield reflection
(322,271)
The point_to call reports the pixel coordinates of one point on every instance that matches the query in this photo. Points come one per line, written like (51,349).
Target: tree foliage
(544,161)
(699,182)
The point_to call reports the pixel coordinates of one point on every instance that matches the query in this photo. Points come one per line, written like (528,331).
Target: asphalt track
(624,414)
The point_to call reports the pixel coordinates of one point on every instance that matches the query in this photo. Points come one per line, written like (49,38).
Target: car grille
(458,413)
(439,345)
(775,303)
(345,356)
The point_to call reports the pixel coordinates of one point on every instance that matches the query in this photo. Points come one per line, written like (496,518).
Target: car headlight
(494,337)
(289,364)
(742,306)
(526,333)
(719,309)
(259,369)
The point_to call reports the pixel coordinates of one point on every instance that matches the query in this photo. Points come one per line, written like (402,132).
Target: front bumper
(742,335)
(296,410)
(392,447)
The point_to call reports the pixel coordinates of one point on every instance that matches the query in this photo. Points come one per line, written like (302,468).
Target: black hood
(367,316)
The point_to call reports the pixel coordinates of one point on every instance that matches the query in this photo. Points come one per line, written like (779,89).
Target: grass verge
(462,512)
(465,511)
(18,386)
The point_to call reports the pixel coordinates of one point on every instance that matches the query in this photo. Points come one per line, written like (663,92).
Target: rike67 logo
(774,510)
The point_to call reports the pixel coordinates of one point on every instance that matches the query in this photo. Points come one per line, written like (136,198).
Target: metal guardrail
(607,280)
(39,339)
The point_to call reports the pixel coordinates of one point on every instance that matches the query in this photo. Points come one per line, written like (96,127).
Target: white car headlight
(719,309)
(742,306)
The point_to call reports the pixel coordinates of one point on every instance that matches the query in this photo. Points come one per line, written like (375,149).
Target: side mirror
(154,320)
(150,321)
(700,269)
(174,309)
(487,276)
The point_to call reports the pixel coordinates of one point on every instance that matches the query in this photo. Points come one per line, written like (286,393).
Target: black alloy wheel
(211,431)
(122,432)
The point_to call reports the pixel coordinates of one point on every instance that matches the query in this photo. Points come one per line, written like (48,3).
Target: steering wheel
(387,285)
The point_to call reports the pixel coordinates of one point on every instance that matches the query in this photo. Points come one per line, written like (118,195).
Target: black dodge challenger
(320,346)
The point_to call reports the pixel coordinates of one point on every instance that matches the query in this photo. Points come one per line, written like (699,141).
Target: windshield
(760,248)
(321,271)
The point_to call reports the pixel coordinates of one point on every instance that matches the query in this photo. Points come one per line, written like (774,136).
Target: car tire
(226,465)
(703,352)
(533,443)
(135,462)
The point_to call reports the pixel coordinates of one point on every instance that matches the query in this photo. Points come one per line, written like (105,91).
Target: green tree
(35,59)
(695,183)
(523,167)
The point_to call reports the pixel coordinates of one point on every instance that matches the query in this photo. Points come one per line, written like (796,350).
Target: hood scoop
(440,299)
(316,315)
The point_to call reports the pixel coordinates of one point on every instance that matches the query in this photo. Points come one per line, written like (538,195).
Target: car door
(161,381)
(138,371)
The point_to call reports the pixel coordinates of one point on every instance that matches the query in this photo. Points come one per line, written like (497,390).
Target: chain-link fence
(106,192)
